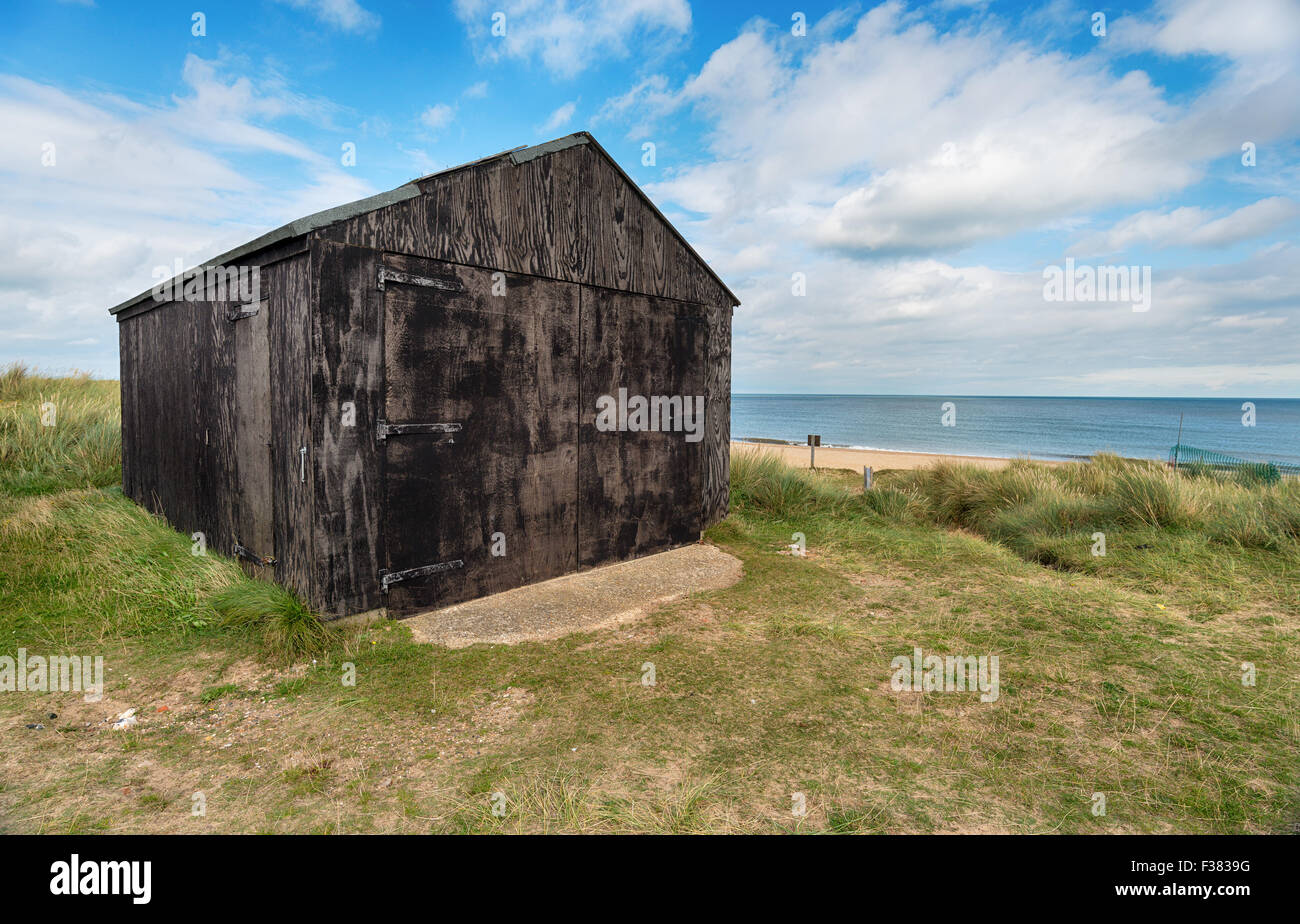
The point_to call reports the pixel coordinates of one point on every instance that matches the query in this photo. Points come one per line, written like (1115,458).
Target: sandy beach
(877,459)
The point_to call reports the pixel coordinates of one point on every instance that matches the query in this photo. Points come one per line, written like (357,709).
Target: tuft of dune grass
(763,481)
(289,629)
(57,434)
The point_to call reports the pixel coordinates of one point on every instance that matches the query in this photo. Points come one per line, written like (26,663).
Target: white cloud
(896,139)
(568,37)
(925,326)
(1244,29)
(1190,226)
(1241,378)
(346,15)
(559,118)
(642,106)
(438,116)
(133,187)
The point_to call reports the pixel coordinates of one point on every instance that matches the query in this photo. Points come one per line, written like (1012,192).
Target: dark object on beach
(394,403)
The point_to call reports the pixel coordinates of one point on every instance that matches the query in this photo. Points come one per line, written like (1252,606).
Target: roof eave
(297,228)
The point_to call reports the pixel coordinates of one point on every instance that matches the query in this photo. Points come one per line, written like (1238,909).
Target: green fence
(1191,457)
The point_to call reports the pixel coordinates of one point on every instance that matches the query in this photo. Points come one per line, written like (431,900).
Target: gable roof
(411,190)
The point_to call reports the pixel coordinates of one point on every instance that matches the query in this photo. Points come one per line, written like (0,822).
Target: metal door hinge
(447,283)
(383,430)
(389,578)
(250,555)
(248,310)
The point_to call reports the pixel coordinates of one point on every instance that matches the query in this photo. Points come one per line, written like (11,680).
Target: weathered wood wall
(179,431)
(346,366)
(569,215)
(290,291)
(638,492)
(717,390)
(204,403)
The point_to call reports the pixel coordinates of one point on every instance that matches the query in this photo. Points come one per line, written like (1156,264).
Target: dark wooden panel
(612,223)
(346,376)
(570,240)
(655,238)
(505,369)
(289,301)
(526,217)
(128,364)
(639,492)
(717,389)
(178,430)
(254,528)
(215,374)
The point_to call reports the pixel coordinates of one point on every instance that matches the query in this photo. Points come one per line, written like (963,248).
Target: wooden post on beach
(866,478)
(1178,443)
(814,440)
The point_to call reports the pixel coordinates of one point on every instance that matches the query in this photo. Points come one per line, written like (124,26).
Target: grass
(1120,673)
(290,630)
(57,434)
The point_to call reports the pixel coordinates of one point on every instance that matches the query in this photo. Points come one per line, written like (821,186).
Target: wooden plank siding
(290,291)
(201,398)
(638,492)
(179,433)
(570,216)
(346,365)
(717,439)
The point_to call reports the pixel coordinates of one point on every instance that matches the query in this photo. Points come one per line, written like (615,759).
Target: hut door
(254,532)
(479,431)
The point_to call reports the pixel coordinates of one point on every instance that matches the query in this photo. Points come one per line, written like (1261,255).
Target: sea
(1257,429)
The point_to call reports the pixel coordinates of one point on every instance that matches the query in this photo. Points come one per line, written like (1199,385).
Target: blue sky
(919,164)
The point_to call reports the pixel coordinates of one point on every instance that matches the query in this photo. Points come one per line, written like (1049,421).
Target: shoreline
(877,459)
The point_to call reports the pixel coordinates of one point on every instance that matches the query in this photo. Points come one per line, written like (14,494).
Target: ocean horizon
(1038,427)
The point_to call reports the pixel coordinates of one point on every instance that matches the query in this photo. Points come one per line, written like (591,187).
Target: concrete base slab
(581,602)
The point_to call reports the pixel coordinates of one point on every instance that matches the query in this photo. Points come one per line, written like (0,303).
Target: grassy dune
(57,434)
(1120,675)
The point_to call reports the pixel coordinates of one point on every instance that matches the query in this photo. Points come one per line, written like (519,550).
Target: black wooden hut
(493,375)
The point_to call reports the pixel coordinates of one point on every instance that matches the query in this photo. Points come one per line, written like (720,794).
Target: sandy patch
(877,459)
